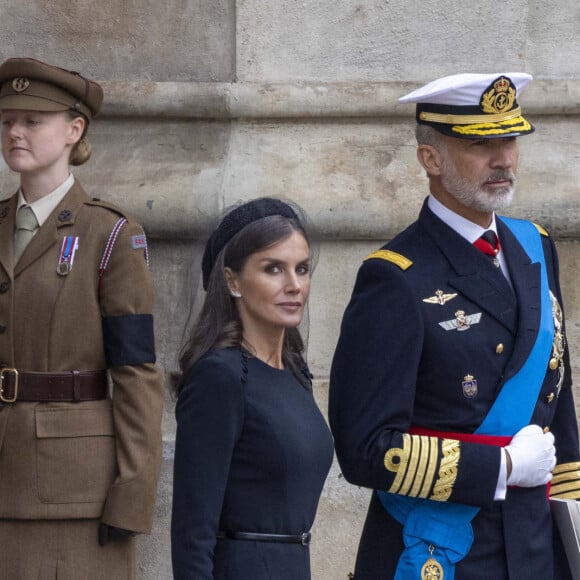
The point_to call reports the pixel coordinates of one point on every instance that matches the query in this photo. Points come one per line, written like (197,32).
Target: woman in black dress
(252,449)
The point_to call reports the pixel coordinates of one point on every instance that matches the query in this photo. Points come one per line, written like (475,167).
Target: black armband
(129,340)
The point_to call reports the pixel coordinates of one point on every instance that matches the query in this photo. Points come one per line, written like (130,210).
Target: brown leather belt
(66,386)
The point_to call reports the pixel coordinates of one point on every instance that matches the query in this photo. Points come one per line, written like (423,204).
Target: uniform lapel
(475,277)
(47,236)
(7,234)
(525,277)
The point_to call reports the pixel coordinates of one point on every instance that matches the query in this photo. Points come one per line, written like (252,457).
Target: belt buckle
(3,398)
(305,538)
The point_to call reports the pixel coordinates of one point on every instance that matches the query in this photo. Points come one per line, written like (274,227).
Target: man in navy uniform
(450,392)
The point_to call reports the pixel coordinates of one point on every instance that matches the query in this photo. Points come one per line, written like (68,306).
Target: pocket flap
(71,422)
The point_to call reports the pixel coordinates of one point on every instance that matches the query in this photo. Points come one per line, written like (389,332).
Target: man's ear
(430,159)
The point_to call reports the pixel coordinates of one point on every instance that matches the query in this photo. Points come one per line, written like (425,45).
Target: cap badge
(439,298)
(20,84)
(499,97)
(469,386)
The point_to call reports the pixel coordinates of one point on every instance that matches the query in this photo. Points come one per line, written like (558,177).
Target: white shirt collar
(44,206)
(464,227)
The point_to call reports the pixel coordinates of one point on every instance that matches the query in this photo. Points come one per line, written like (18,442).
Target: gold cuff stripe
(469,119)
(391,256)
(572,495)
(414,465)
(561,467)
(567,476)
(412,468)
(421,467)
(557,490)
(431,467)
(447,470)
(400,466)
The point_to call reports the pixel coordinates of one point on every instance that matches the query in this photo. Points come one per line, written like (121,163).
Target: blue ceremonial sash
(445,527)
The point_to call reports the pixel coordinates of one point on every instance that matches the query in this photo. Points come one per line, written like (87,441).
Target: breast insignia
(469,386)
(439,298)
(461,321)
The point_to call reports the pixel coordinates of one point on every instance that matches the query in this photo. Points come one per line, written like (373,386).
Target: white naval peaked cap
(472,106)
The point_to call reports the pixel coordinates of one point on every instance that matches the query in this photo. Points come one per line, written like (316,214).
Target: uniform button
(550,397)
(4,286)
(2,328)
(554,364)
(546,429)
(499,348)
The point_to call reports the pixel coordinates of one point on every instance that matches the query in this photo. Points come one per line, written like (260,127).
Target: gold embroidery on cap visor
(481,125)
(517,125)
(566,481)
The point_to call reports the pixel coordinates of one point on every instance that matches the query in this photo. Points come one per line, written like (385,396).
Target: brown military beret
(31,85)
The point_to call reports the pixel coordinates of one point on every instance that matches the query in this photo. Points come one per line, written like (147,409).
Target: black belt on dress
(303,539)
(64,386)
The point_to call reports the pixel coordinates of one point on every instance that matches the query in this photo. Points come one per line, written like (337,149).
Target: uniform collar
(44,206)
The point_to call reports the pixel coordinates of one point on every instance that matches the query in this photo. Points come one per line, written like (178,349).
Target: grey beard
(475,197)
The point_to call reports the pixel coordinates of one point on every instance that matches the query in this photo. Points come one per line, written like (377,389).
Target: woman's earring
(235,294)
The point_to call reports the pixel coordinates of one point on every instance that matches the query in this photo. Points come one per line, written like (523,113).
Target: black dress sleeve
(210,414)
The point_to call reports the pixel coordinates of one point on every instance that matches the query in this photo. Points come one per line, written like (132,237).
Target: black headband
(236,221)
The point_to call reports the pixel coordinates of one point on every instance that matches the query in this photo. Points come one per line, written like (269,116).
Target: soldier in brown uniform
(80,397)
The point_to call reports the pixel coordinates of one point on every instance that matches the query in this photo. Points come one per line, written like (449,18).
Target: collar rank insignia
(439,298)
(461,321)
(469,386)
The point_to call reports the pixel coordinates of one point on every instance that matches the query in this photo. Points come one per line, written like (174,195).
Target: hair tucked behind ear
(82,149)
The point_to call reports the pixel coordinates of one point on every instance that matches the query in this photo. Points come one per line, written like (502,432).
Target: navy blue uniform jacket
(396,366)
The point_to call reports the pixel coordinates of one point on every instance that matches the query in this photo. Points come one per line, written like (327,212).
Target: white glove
(533,456)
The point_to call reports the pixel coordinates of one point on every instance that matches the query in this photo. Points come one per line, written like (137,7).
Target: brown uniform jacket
(94,459)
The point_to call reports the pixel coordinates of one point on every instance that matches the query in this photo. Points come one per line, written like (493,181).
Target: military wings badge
(439,298)
(461,321)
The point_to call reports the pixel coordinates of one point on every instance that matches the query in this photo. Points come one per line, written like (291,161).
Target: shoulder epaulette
(391,256)
(542,231)
(107,205)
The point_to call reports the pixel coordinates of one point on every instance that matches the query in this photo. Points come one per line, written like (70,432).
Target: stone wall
(208,103)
